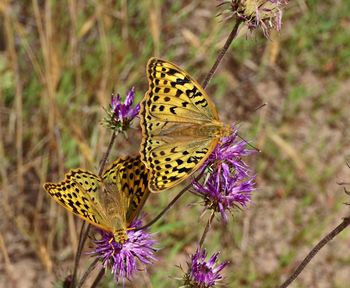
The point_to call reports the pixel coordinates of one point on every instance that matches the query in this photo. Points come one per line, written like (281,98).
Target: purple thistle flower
(228,181)
(121,114)
(122,259)
(266,14)
(202,273)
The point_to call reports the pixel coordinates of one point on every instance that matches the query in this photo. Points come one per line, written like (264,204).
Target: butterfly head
(227,130)
(120,236)
(222,129)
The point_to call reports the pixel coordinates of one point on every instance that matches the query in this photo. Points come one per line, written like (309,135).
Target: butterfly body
(110,202)
(180,125)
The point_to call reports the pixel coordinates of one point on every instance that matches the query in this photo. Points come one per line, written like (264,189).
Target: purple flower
(266,14)
(201,273)
(122,259)
(121,114)
(228,180)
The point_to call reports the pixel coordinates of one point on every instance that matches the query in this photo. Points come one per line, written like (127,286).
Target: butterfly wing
(78,194)
(174,162)
(173,113)
(183,98)
(132,177)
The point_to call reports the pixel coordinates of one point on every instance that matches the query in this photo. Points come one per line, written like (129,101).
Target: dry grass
(59,63)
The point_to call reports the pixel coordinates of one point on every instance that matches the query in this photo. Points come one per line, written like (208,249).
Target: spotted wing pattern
(180,125)
(110,202)
(133,178)
(78,194)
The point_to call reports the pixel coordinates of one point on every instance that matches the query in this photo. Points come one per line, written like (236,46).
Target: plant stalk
(206,229)
(222,53)
(315,250)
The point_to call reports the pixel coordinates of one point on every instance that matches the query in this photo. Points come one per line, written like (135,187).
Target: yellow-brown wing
(78,193)
(131,175)
(174,109)
(174,162)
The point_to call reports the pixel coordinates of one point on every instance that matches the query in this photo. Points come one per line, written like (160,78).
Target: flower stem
(98,278)
(83,235)
(171,204)
(87,272)
(315,250)
(206,229)
(105,156)
(222,53)
(78,253)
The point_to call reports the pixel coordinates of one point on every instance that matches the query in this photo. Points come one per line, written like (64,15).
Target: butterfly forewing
(78,194)
(176,115)
(170,83)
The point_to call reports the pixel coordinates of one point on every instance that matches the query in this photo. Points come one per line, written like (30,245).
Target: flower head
(266,14)
(121,114)
(122,258)
(228,181)
(202,273)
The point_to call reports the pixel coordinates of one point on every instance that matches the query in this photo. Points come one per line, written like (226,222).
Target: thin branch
(105,156)
(222,53)
(76,260)
(206,229)
(98,278)
(315,250)
(87,272)
(171,204)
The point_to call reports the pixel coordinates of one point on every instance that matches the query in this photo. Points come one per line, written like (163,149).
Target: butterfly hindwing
(133,177)
(174,162)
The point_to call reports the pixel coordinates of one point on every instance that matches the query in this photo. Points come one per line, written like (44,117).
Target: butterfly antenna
(239,136)
(250,145)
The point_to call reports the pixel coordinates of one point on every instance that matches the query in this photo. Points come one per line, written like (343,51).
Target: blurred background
(60,61)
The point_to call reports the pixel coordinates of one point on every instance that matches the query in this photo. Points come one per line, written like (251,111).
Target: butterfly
(110,202)
(180,125)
